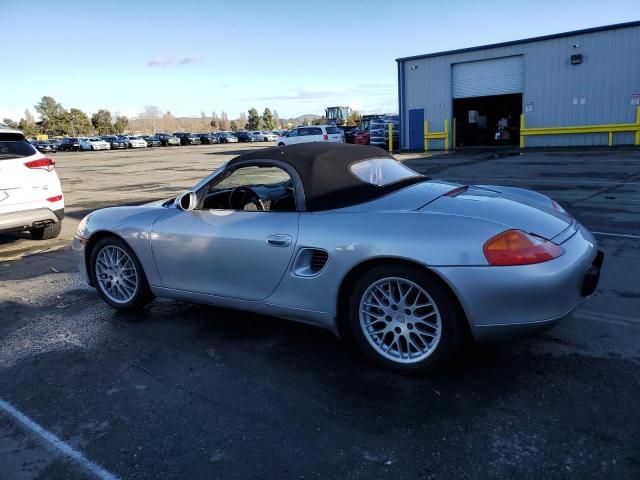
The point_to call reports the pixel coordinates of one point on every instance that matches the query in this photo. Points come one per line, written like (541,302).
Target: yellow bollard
(521,130)
(390,137)
(426,140)
(610,139)
(446,134)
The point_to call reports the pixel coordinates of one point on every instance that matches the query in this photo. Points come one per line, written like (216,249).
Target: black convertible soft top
(324,171)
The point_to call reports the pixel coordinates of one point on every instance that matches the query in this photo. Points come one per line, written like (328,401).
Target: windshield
(381,171)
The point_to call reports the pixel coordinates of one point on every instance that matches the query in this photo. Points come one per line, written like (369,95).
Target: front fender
(132,225)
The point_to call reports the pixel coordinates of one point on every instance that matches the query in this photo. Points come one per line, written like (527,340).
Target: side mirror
(187,201)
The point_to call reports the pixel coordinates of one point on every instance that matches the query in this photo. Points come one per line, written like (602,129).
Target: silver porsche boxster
(347,238)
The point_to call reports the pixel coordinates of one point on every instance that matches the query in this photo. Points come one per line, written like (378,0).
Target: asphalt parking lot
(199,392)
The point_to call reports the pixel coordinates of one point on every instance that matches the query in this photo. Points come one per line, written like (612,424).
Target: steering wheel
(241,197)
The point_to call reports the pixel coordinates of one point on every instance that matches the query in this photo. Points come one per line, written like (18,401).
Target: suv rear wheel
(47,232)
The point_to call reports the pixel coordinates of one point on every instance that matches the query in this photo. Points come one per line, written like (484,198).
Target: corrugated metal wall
(598,91)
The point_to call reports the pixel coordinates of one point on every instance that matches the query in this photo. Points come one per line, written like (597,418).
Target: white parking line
(56,442)
(622,235)
(607,318)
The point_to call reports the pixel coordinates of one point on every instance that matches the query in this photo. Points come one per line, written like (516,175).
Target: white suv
(313,133)
(30,192)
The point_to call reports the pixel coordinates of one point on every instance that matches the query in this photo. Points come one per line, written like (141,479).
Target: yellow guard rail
(610,129)
(444,135)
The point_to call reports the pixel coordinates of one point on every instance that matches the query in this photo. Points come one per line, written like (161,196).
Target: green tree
(121,123)
(253,120)
(276,119)
(354,118)
(53,116)
(101,121)
(267,120)
(29,128)
(10,123)
(233,126)
(77,122)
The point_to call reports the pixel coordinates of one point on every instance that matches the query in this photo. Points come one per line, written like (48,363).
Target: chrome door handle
(279,240)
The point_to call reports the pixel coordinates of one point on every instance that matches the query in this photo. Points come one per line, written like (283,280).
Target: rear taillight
(514,247)
(57,198)
(325,137)
(45,163)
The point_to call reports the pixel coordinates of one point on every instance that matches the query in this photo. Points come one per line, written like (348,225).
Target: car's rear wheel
(52,230)
(118,275)
(403,319)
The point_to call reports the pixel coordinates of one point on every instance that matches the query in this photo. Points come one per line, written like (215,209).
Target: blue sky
(293,56)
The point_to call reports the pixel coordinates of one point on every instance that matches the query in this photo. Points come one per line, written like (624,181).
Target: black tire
(451,336)
(47,232)
(142,295)
(281,144)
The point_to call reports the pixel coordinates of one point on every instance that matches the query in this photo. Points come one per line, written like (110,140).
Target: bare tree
(242,121)
(224,121)
(149,120)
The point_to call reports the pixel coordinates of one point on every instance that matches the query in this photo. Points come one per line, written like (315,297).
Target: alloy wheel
(116,274)
(400,320)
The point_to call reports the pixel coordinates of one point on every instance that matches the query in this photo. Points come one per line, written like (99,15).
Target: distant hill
(309,117)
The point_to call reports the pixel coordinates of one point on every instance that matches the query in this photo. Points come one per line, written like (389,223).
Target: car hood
(515,208)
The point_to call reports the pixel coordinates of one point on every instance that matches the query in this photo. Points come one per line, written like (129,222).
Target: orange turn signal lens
(514,247)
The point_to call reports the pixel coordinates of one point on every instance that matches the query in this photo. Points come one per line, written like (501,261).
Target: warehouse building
(577,88)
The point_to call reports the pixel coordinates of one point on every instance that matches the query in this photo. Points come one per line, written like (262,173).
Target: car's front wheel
(403,319)
(118,275)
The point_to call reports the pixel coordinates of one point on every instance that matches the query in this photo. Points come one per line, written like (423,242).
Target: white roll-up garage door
(497,76)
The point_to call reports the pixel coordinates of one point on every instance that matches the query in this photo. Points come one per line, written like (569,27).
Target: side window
(313,131)
(252,188)
(293,133)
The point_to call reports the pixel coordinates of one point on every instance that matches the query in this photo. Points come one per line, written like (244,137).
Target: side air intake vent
(310,262)
(318,260)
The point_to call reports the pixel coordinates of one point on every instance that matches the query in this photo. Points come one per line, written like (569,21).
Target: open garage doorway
(490,120)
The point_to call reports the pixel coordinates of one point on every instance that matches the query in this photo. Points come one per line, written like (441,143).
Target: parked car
(315,133)
(94,143)
(116,142)
(265,136)
(69,144)
(348,132)
(46,146)
(152,140)
(208,138)
(246,137)
(361,137)
(490,261)
(136,142)
(226,137)
(187,138)
(30,192)
(167,140)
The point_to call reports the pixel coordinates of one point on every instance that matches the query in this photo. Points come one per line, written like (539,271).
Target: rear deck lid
(524,210)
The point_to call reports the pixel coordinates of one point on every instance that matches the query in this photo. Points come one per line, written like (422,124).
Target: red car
(361,138)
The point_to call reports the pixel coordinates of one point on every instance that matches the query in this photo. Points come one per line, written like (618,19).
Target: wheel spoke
(116,274)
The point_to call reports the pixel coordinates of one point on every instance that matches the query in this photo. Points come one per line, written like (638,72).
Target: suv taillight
(325,137)
(45,163)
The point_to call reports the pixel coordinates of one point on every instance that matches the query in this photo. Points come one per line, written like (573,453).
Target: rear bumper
(26,219)
(504,302)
